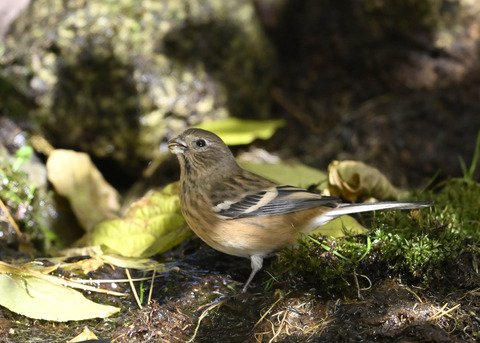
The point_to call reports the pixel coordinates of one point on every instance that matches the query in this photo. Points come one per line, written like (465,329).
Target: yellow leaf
(75,177)
(293,174)
(152,225)
(235,131)
(94,262)
(339,227)
(27,269)
(84,336)
(42,299)
(89,265)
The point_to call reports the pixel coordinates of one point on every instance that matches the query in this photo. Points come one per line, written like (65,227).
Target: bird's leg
(257,263)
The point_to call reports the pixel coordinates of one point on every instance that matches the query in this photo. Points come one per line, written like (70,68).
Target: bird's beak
(177,145)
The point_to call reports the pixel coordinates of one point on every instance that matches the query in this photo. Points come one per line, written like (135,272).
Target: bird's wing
(271,201)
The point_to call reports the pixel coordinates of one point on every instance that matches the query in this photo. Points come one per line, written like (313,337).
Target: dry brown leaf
(352,180)
(75,177)
(84,336)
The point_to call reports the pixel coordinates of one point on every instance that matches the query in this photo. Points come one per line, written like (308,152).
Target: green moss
(24,201)
(419,245)
(446,231)
(324,264)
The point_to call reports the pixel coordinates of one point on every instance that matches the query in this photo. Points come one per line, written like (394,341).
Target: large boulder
(114,79)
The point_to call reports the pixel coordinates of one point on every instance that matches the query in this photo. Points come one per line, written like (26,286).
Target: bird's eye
(201,143)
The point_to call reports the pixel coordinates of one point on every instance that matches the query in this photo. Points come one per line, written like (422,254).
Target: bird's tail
(366,207)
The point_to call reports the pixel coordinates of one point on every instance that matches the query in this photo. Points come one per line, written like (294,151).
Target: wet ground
(196,301)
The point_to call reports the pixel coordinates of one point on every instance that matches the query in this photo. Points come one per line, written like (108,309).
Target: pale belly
(251,236)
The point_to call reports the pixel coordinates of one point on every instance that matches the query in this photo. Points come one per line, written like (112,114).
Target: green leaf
(470,172)
(123,237)
(152,225)
(41,299)
(339,227)
(22,155)
(235,131)
(294,174)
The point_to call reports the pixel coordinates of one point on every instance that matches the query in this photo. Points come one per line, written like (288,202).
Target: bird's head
(200,152)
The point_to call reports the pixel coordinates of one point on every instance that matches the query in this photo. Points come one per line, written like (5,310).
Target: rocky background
(394,84)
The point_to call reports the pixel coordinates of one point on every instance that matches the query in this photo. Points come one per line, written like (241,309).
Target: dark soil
(374,83)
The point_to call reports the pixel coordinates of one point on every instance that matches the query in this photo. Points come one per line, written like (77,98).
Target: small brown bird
(243,214)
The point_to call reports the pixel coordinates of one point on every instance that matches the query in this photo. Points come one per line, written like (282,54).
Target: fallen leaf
(235,131)
(152,225)
(340,227)
(293,174)
(89,265)
(94,262)
(41,299)
(28,269)
(36,269)
(82,250)
(75,177)
(352,180)
(84,336)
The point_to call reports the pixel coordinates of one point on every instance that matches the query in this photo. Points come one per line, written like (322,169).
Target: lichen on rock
(114,78)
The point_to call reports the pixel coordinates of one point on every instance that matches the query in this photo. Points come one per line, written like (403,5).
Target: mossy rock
(115,78)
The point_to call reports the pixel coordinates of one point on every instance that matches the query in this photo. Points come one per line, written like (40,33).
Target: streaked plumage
(243,214)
